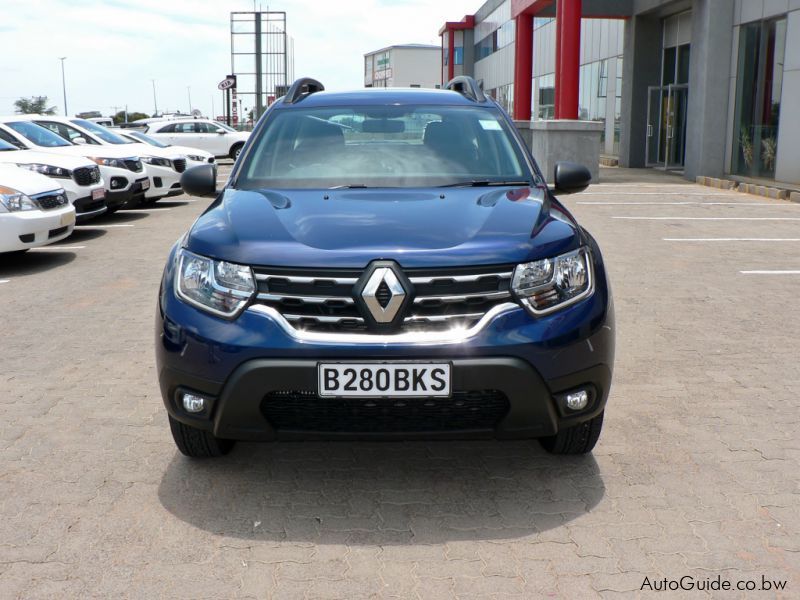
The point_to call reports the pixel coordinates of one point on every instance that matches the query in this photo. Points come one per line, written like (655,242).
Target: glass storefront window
(759,80)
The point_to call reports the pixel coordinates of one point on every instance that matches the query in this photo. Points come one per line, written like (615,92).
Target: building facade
(691,85)
(408,65)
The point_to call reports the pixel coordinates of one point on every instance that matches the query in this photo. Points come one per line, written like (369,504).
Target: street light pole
(189,91)
(64,85)
(155,103)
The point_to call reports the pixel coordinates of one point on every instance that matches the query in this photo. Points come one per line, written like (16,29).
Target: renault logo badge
(383,294)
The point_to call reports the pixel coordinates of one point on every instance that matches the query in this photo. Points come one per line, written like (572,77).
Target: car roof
(385,96)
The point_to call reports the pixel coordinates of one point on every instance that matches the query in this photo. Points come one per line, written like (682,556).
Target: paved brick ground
(696,472)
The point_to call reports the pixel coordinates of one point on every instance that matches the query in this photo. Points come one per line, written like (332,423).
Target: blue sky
(115,47)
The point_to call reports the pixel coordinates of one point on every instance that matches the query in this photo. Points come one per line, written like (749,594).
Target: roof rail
(467,86)
(301,88)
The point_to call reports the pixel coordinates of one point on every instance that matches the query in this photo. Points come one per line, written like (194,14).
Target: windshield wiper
(484,182)
(348,186)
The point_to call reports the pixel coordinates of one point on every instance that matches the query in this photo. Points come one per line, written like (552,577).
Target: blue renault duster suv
(385,264)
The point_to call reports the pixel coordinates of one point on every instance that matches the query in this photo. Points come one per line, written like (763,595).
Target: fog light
(193,403)
(575,400)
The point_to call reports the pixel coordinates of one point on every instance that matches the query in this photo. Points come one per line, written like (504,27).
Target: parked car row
(46,159)
(203,134)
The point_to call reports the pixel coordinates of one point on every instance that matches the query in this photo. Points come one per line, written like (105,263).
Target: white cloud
(115,47)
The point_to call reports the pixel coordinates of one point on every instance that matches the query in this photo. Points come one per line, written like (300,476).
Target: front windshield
(383,146)
(224,126)
(146,139)
(38,135)
(101,132)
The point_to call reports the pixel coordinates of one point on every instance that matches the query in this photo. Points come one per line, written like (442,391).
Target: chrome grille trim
(440,318)
(322,319)
(461,298)
(304,279)
(327,301)
(414,337)
(306,299)
(459,278)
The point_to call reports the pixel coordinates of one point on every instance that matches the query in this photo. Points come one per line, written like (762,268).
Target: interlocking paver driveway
(696,472)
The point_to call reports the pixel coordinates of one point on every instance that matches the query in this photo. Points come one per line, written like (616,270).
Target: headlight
(12,200)
(549,284)
(196,157)
(158,162)
(49,170)
(218,287)
(109,162)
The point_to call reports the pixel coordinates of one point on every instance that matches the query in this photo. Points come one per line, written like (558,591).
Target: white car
(122,171)
(163,165)
(194,156)
(79,177)
(34,210)
(204,134)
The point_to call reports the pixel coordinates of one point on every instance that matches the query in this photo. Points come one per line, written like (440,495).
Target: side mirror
(200,181)
(81,141)
(221,131)
(569,178)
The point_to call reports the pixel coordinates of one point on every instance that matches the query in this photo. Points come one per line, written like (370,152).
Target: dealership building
(695,86)
(406,65)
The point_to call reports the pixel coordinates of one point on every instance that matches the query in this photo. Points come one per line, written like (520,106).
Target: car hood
(417,228)
(87,150)
(25,181)
(142,149)
(45,158)
(185,150)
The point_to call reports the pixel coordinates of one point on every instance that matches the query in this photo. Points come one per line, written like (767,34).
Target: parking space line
(770,272)
(145,210)
(102,226)
(687,203)
(731,239)
(708,218)
(59,248)
(657,194)
(4,280)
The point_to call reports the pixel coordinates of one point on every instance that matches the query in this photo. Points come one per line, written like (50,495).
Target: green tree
(35,105)
(132,116)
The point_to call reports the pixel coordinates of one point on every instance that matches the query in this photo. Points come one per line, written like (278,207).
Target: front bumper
(240,365)
(132,194)
(88,208)
(162,181)
(29,229)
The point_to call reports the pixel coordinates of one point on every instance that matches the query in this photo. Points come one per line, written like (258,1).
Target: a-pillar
(568,51)
(523,67)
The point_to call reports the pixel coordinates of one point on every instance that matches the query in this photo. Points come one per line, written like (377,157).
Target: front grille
(133,165)
(325,300)
(86,175)
(50,201)
(179,164)
(303,410)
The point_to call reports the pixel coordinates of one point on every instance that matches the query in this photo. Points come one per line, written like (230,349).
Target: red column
(568,36)
(451,51)
(523,67)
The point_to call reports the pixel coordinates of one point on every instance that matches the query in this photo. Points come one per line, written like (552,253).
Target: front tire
(578,439)
(197,443)
(236,150)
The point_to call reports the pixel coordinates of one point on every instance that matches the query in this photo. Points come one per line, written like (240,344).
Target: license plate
(345,380)
(145,184)
(67,218)
(98,194)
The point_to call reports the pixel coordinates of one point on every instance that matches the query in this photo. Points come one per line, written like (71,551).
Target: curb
(749,188)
